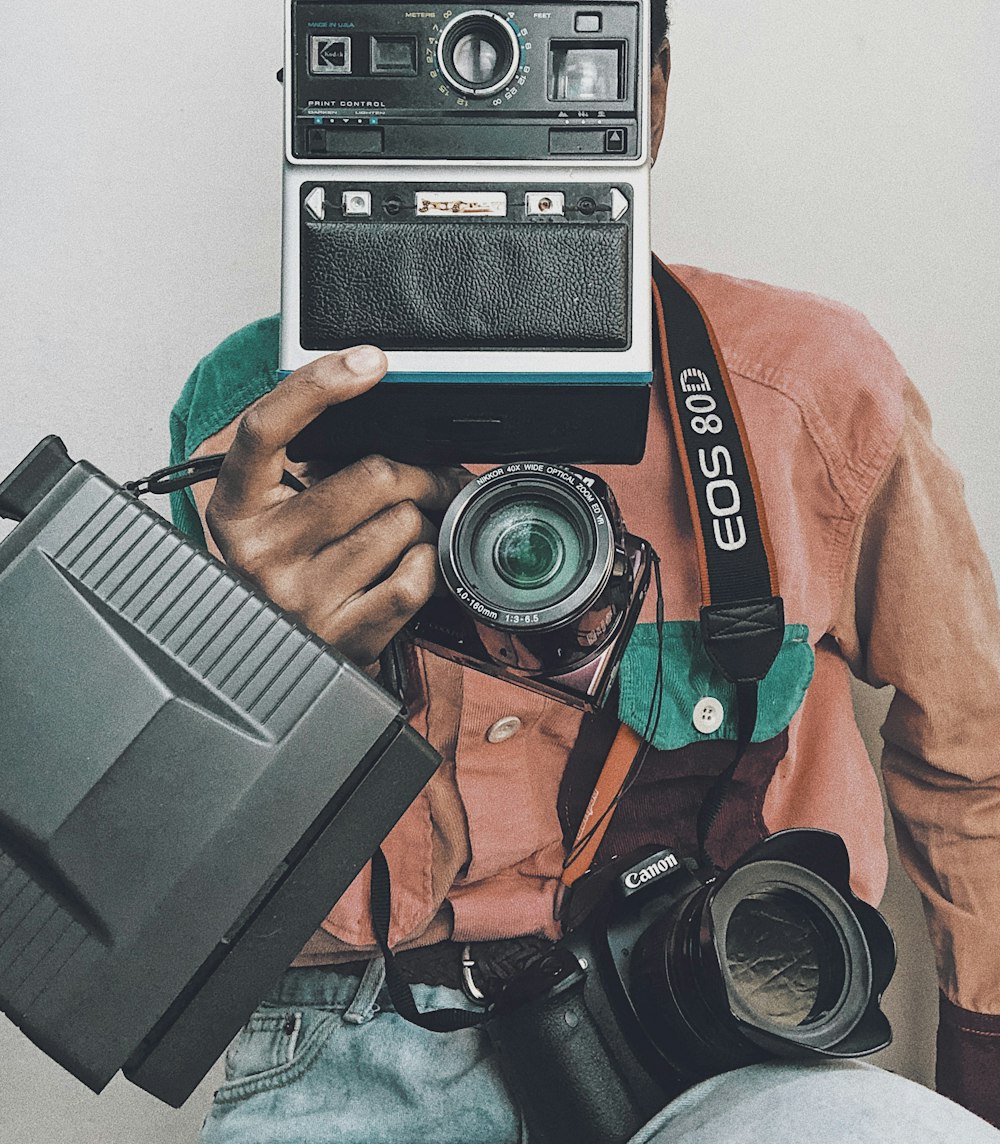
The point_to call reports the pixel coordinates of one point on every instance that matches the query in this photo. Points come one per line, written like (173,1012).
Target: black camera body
(468,189)
(677,974)
(517,82)
(545,584)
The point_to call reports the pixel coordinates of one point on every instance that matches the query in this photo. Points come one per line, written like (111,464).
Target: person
(882,576)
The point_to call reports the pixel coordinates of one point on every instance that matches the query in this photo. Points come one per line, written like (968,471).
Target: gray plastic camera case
(190,779)
(479,237)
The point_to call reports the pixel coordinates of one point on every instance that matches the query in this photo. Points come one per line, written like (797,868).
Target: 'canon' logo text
(638,878)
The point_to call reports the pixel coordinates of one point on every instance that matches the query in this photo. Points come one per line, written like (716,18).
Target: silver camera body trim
(626,178)
(635,360)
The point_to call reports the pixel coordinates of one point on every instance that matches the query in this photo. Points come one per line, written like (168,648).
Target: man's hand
(353,556)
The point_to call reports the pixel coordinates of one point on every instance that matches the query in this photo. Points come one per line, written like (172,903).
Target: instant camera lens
(478,53)
(475,59)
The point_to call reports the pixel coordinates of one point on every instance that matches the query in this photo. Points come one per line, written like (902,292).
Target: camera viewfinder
(586,73)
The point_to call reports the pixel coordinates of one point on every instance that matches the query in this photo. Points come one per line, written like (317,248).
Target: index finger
(253,468)
(358,492)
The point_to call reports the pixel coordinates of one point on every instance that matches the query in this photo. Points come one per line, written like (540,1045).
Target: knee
(827,1102)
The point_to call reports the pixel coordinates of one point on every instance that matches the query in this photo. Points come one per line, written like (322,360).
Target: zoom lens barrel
(545,584)
(529,547)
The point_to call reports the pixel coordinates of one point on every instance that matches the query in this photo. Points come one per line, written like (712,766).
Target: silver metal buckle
(469,986)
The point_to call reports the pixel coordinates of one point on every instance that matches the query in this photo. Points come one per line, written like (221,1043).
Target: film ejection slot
(487,203)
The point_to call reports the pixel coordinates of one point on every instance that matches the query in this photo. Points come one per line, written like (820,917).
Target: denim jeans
(326,1060)
(829,1102)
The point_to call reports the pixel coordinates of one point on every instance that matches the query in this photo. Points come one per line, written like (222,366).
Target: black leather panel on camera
(411,285)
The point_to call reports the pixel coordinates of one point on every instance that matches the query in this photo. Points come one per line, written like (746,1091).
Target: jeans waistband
(320,985)
(323,987)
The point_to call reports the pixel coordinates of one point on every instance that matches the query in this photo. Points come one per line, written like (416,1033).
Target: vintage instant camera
(678,973)
(468,188)
(189,780)
(545,583)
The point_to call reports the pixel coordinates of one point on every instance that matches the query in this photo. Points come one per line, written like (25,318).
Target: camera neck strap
(434,1020)
(742,616)
(742,613)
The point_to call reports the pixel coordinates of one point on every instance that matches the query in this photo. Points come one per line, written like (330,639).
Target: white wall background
(851,149)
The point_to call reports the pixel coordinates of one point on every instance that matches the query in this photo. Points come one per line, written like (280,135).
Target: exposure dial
(478,53)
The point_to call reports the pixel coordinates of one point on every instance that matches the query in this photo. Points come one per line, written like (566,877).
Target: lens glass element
(475,59)
(525,549)
(530,553)
(786,963)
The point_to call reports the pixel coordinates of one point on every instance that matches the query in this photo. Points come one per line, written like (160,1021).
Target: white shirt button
(503,729)
(708,715)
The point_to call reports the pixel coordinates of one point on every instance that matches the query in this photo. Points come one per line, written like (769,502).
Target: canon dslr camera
(677,975)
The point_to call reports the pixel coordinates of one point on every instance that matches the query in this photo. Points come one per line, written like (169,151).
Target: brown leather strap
(598,815)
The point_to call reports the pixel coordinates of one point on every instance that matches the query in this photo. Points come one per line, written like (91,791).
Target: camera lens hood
(777,956)
(856,1025)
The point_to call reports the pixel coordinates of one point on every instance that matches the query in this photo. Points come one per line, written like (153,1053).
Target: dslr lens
(792,953)
(771,955)
(478,53)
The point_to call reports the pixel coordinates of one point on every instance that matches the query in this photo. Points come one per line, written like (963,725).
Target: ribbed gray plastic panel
(189,781)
